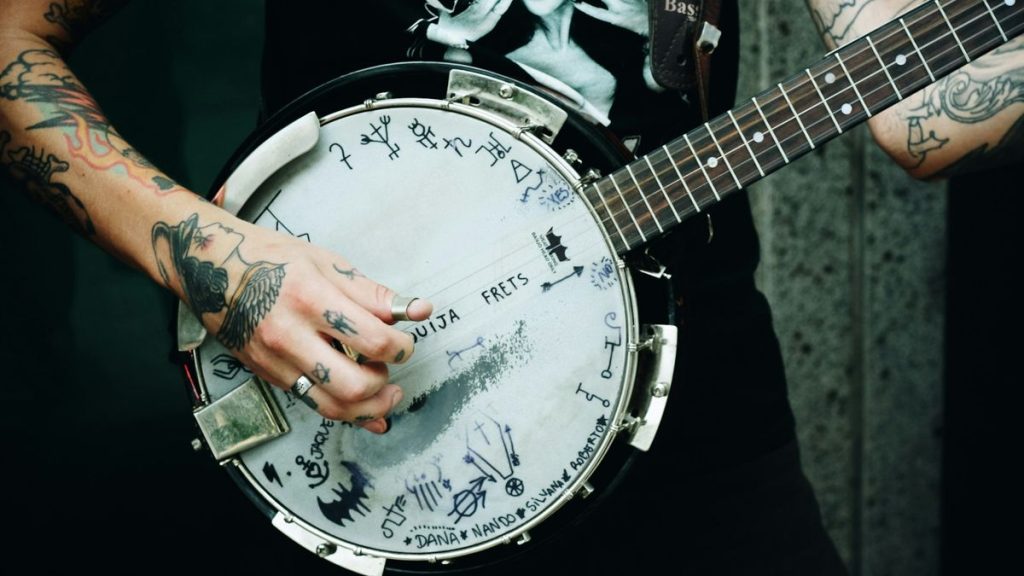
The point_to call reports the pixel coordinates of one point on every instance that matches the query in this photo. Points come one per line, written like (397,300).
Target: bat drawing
(555,245)
(349,500)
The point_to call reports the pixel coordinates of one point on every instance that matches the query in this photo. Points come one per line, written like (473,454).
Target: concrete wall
(853,263)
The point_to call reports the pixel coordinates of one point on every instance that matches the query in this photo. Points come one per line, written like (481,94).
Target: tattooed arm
(969,120)
(275,301)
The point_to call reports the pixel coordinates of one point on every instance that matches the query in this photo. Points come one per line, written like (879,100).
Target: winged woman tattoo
(204,263)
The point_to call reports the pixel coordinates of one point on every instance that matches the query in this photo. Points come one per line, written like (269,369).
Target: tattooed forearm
(34,170)
(966,97)
(206,266)
(40,78)
(322,373)
(840,21)
(351,273)
(340,322)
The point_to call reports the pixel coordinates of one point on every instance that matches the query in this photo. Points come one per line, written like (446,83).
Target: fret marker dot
(758,137)
(830,77)
(1009,2)
(901,59)
(846,109)
(712,161)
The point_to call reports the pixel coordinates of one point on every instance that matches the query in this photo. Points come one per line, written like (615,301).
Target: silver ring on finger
(400,307)
(300,389)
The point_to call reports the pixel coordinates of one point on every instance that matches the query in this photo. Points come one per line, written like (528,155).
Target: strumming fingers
(378,299)
(365,333)
(315,391)
(337,375)
(370,413)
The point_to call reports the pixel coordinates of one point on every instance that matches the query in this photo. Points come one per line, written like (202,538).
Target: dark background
(99,472)
(98,469)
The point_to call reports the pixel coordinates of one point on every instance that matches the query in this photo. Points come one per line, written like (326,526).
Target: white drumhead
(517,379)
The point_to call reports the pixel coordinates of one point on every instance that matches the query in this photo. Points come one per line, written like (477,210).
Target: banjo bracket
(654,382)
(589,177)
(502,97)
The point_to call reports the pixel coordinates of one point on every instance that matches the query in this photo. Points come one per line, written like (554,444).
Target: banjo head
(521,378)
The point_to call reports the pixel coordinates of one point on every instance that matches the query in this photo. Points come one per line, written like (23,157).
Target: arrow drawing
(576,271)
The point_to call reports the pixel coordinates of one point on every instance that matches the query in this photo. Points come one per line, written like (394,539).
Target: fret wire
(971,20)
(996,20)
(605,219)
(626,205)
(745,143)
(918,50)
(956,62)
(672,163)
(818,113)
(796,115)
(884,68)
(769,127)
(935,34)
(823,101)
(611,215)
(724,158)
(701,166)
(931,25)
(953,30)
(644,198)
(853,83)
(899,49)
(662,188)
(682,180)
(770,131)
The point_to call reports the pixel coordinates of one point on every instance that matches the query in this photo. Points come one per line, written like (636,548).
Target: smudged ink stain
(413,431)
(418,402)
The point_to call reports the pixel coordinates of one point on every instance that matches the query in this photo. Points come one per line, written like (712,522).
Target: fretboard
(650,195)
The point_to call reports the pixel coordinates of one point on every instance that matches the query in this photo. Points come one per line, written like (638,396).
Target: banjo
(535,317)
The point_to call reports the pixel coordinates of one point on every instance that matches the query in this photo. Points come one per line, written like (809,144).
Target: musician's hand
(475,22)
(278,303)
(628,14)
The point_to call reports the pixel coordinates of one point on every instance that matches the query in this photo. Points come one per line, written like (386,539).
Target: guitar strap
(684,34)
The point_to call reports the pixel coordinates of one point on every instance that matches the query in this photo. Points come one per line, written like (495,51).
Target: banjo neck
(683,178)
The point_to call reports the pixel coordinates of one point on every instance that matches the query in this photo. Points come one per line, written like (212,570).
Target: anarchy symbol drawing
(514,487)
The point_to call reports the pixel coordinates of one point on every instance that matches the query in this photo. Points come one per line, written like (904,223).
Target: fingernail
(420,308)
(378,426)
